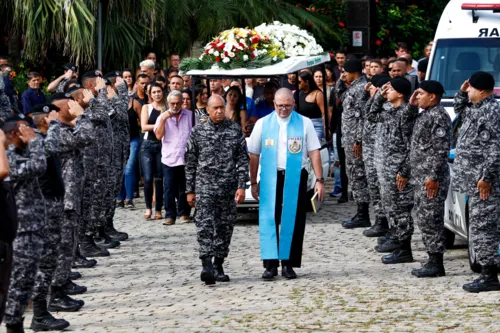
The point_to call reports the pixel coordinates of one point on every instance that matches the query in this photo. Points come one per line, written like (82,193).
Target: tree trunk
(14,45)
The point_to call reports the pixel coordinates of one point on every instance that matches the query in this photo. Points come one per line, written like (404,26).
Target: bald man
(216,175)
(280,143)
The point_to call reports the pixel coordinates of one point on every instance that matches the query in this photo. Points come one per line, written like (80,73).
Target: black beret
(378,80)
(10,122)
(401,85)
(110,75)
(73,88)
(432,87)
(422,65)
(72,67)
(482,81)
(60,96)
(91,75)
(353,66)
(44,109)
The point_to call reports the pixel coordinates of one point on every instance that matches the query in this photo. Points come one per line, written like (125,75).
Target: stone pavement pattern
(151,284)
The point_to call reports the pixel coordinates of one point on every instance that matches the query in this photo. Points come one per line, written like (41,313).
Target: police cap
(353,66)
(401,85)
(59,96)
(44,109)
(10,122)
(91,75)
(432,87)
(378,80)
(482,81)
(73,88)
(72,67)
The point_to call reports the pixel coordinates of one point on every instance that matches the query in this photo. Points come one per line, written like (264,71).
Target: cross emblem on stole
(269,142)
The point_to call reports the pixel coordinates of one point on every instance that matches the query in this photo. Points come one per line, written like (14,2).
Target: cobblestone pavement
(151,284)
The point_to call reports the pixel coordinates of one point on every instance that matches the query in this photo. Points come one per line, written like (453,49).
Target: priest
(281,143)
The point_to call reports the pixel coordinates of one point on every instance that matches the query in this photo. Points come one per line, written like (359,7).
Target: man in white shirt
(281,143)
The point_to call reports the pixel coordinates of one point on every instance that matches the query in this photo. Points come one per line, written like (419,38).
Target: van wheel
(449,240)
(474,265)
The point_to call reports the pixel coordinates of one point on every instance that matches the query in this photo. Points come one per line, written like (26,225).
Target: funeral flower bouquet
(236,48)
(291,39)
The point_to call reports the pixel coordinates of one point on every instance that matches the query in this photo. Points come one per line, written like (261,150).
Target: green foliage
(410,25)
(335,13)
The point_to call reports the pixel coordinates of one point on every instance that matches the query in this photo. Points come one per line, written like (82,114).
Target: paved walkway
(151,284)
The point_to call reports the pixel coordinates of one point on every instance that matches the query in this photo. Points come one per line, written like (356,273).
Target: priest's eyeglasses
(284,106)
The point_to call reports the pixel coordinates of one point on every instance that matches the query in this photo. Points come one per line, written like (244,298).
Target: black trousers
(343,170)
(295,259)
(5,269)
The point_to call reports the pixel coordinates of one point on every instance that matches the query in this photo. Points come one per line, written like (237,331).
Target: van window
(455,60)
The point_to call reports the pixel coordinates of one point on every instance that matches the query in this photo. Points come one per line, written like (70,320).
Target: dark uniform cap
(401,85)
(482,81)
(353,66)
(378,80)
(44,109)
(91,75)
(422,65)
(110,75)
(73,88)
(72,67)
(432,87)
(10,122)
(60,96)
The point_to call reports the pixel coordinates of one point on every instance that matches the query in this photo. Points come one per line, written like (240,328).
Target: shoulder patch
(440,132)
(484,135)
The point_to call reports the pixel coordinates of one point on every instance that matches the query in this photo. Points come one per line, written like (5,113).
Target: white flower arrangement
(291,39)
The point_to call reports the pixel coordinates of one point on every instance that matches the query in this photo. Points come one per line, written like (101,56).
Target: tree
(132,25)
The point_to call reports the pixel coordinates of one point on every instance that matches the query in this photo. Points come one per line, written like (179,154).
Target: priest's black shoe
(207,274)
(487,281)
(270,273)
(88,248)
(288,272)
(71,288)
(115,234)
(103,240)
(81,261)
(361,219)
(432,268)
(219,271)
(43,320)
(379,228)
(60,302)
(74,275)
(401,255)
(390,245)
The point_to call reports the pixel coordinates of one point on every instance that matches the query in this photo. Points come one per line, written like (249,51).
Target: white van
(467,40)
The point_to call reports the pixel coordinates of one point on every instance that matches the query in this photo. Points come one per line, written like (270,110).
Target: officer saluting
(476,168)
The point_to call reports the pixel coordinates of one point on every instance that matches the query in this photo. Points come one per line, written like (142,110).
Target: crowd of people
(68,160)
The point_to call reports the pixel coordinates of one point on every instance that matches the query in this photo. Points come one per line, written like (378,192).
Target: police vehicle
(287,66)
(467,40)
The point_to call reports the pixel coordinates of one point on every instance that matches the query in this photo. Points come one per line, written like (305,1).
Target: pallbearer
(281,143)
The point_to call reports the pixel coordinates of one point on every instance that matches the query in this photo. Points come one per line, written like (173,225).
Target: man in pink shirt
(173,128)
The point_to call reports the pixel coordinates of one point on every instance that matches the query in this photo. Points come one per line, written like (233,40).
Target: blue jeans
(319,127)
(129,178)
(174,187)
(152,171)
(335,158)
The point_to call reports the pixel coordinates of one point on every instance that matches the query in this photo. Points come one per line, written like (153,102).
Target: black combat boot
(219,271)
(401,255)
(487,281)
(81,261)
(88,248)
(104,241)
(432,268)
(287,270)
(361,219)
(207,274)
(382,239)
(43,320)
(71,288)
(113,233)
(60,302)
(380,228)
(16,328)
(391,243)
(74,275)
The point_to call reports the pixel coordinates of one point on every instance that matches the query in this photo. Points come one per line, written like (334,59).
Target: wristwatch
(320,180)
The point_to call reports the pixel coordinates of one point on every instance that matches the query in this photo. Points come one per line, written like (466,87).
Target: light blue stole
(269,248)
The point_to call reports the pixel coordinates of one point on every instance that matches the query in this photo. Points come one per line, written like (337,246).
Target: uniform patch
(440,132)
(46,109)
(484,135)
(357,114)
(294,145)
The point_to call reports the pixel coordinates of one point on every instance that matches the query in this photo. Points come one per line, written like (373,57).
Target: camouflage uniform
(60,86)
(371,130)
(430,147)
(477,158)
(5,107)
(96,161)
(395,133)
(25,167)
(54,211)
(72,143)
(353,101)
(121,146)
(216,166)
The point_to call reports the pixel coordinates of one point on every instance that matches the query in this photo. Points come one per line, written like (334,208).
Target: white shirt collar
(283,121)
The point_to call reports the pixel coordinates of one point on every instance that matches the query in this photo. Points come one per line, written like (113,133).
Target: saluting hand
(26,133)
(368,86)
(52,116)
(465,86)
(75,109)
(413,98)
(111,92)
(385,89)
(119,81)
(484,189)
(87,96)
(69,74)
(99,83)
(239,197)
(432,187)
(2,138)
